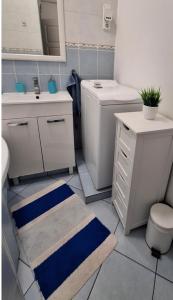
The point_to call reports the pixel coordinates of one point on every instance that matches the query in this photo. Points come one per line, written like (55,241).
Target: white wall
(83,22)
(144,47)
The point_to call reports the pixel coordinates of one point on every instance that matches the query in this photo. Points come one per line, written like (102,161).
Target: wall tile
(91,31)
(26,67)
(72,27)
(64,81)
(83,6)
(71,5)
(8,83)
(7,66)
(27,80)
(92,61)
(46,68)
(105,64)
(72,61)
(88,77)
(90,26)
(89,7)
(105,77)
(83,21)
(88,62)
(44,82)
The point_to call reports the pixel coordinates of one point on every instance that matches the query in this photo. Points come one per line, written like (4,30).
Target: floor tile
(165,265)
(90,192)
(108,200)
(18,188)
(122,279)
(33,293)
(78,192)
(163,289)
(85,290)
(14,200)
(35,185)
(88,185)
(135,247)
(25,276)
(17,293)
(64,176)
(81,164)
(10,195)
(75,181)
(105,213)
(22,255)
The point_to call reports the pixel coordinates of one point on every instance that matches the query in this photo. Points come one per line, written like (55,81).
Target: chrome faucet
(36,85)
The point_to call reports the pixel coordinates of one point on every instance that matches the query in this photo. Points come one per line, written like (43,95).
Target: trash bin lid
(162,215)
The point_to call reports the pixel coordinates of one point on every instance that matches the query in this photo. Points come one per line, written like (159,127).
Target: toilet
(159,234)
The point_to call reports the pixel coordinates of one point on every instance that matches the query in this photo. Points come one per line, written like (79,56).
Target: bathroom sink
(44,97)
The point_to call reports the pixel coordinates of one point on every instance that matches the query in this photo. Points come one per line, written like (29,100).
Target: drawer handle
(17,124)
(123,153)
(56,121)
(126,127)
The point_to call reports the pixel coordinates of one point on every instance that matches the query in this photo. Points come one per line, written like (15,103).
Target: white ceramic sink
(44,97)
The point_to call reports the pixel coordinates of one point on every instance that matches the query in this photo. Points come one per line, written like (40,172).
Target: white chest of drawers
(142,164)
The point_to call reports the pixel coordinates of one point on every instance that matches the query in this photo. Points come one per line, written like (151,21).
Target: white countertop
(4,160)
(136,122)
(30,98)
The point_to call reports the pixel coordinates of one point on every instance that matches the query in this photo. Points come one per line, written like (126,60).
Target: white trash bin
(159,232)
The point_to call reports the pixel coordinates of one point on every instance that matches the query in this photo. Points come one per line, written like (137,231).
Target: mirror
(33,30)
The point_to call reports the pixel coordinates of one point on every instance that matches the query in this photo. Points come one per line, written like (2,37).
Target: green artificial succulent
(151,96)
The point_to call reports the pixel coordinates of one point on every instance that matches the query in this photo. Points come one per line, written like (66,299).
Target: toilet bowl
(159,234)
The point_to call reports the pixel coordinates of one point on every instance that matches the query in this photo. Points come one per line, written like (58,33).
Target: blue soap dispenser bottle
(52,87)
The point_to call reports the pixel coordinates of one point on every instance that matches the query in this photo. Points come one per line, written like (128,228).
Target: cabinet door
(57,142)
(22,137)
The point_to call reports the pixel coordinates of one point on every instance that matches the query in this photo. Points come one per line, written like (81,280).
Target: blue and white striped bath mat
(64,242)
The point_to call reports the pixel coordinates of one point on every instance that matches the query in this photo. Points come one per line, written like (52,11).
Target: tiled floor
(129,273)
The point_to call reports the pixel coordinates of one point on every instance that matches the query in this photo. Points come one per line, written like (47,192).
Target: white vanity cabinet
(39,132)
(142,163)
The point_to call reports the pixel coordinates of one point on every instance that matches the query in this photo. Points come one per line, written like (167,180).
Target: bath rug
(63,240)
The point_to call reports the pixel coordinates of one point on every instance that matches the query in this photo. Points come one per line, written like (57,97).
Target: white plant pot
(150,112)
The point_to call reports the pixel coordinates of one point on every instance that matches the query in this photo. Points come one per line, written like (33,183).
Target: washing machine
(99,101)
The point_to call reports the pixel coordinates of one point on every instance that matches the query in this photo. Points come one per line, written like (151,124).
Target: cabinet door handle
(56,121)
(17,124)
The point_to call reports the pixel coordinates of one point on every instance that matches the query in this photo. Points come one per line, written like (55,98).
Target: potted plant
(151,99)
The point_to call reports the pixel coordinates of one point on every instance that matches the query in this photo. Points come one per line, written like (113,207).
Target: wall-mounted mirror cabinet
(33,30)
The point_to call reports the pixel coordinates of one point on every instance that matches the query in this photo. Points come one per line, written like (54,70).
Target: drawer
(119,205)
(121,186)
(36,110)
(126,138)
(123,163)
